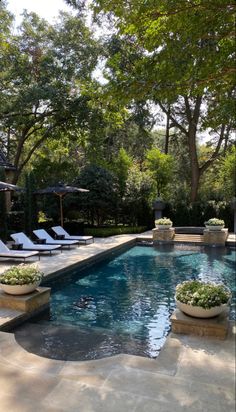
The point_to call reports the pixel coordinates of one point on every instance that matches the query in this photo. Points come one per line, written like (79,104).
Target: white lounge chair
(5,252)
(60,231)
(29,245)
(42,234)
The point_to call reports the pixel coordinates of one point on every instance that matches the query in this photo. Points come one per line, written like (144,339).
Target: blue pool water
(123,305)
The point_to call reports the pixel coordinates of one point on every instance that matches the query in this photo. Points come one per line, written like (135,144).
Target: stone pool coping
(190,374)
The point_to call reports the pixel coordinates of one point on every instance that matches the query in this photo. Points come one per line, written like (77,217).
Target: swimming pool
(122,305)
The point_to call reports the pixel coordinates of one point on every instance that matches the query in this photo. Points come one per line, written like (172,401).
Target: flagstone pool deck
(190,374)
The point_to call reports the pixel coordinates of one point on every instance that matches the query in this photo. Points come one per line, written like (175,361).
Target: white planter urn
(163,227)
(198,312)
(19,289)
(214,228)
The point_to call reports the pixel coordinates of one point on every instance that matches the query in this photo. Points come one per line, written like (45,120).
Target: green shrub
(74,227)
(215,222)
(163,221)
(112,231)
(21,275)
(195,215)
(205,295)
(16,221)
(73,215)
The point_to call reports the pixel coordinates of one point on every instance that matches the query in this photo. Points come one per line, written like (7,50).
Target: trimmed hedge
(112,231)
(197,213)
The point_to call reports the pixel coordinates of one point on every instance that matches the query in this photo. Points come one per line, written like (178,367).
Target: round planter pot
(214,228)
(198,312)
(163,227)
(19,289)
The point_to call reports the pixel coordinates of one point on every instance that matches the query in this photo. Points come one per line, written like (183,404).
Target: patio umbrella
(8,187)
(60,190)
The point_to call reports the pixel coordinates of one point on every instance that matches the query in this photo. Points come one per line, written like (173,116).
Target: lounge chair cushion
(6,252)
(59,230)
(42,234)
(29,245)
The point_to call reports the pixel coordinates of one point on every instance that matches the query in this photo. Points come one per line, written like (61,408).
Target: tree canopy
(181,56)
(167,103)
(43,90)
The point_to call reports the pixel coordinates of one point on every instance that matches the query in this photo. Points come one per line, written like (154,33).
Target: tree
(181,56)
(58,160)
(115,128)
(46,71)
(120,167)
(30,203)
(100,203)
(227,174)
(161,167)
(3,209)
(138,197)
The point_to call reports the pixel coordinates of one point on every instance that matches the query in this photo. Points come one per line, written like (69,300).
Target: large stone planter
(19,289)
(160,235)
(198,312)
(215,237)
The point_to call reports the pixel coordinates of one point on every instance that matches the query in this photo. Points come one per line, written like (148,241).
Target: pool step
(231,240)
(188,238)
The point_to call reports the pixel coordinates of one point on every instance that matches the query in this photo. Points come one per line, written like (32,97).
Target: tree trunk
(194,184)
(167,131)
(195,171)
(192,113)
(193,119)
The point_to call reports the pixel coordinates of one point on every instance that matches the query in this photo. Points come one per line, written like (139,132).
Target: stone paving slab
(88,398)
(8,314)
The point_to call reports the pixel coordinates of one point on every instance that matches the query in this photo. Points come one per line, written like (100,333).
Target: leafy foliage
(30,204)
(56,119)
(102,197)
(46,71)
(3,209)
(21,275)
(205,295)
(188,69)
(163,221)
(161,167)
(113,231)
(215,222)
(227,174)
(138,196)
(120,167)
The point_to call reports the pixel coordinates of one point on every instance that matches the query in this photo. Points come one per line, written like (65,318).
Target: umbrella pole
(61,209)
